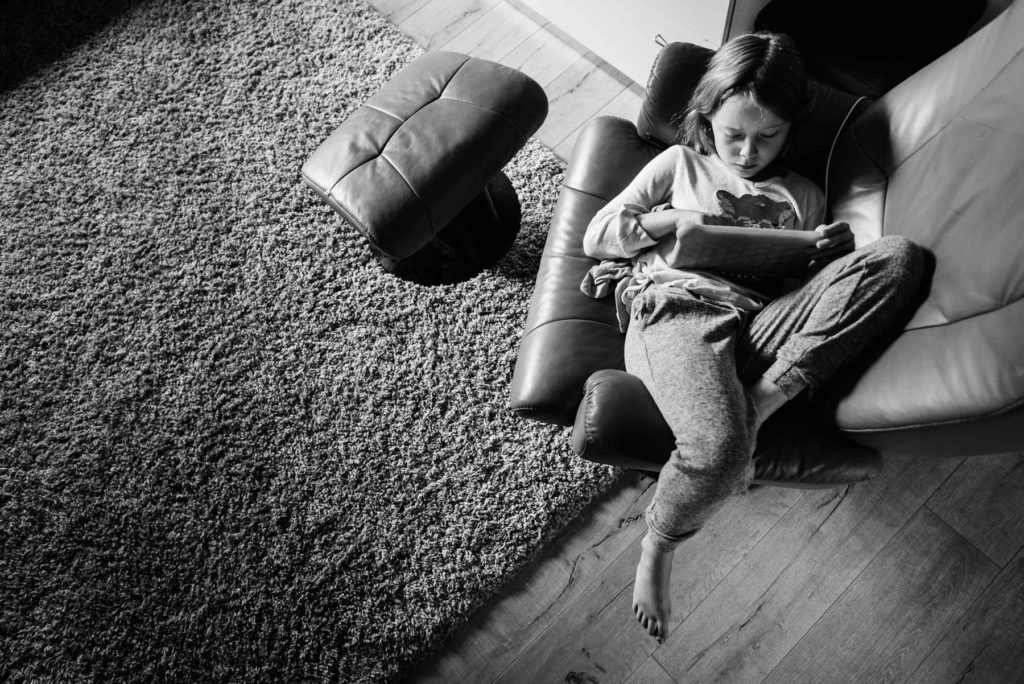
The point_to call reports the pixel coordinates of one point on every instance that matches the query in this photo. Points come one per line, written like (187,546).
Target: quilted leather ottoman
(417,168)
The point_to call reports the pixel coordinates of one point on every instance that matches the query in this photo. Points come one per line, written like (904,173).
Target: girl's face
(748,137)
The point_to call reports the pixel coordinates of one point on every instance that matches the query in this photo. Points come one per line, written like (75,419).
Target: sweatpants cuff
(665,543)
(787,378)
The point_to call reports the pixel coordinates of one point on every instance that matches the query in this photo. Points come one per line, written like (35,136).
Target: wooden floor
(916,576)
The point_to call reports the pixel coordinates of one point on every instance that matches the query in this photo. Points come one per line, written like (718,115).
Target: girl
(720,355)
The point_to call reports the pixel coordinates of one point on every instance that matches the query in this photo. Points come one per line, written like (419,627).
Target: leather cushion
(939,159)
(402,165)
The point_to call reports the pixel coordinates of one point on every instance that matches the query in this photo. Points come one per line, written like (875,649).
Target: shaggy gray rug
(231,447)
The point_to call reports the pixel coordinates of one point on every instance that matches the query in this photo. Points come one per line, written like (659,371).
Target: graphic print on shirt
(756,211)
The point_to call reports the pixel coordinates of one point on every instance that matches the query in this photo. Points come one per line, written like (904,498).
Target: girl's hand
(836,240)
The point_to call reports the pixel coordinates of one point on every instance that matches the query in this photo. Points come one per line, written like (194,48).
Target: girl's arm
(658,224)
(629,223)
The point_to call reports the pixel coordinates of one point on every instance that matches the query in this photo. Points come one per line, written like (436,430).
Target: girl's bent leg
(683,349)
(802,338)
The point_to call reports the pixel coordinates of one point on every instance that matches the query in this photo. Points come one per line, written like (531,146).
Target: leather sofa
(939,158)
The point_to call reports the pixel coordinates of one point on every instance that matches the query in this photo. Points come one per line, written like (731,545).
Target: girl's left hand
(836,240)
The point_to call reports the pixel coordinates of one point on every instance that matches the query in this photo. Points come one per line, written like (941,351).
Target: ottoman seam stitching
(393,116)
(380,152)
(411,189)
(492,111)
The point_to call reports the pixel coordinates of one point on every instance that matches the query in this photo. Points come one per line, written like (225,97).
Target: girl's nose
(748,148)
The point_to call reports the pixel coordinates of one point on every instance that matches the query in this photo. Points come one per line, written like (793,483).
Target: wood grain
(574,97)
(886,623)
(434,24)
(625,105)
(651,672)
(496,33)
(502,630)
(598,636)
(541,56)
(987,644)
(398,11)
(776,594)
(984,501)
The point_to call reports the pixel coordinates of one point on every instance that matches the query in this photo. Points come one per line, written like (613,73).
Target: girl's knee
(900,250)
(719,461)
(903,260)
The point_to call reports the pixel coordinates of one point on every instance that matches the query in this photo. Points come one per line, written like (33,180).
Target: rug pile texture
(231,447)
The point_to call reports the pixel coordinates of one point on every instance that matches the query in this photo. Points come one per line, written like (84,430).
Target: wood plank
(398,11)
(436,22)
(987,644)
(496,634)
(498,31)
(984,501)
(542,57)
(891,617)
(574,97)
(625,105)
(775,596)
(598,636)
(651,672)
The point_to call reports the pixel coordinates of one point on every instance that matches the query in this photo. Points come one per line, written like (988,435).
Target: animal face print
(756,211)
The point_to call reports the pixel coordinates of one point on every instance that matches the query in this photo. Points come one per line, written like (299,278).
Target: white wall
(622,32)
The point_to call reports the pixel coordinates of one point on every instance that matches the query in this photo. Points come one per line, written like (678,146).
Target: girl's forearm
(658,224)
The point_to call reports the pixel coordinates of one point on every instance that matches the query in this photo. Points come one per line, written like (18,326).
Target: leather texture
(406,162)
(938,159)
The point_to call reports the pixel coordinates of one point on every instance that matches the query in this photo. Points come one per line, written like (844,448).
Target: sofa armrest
(568,335)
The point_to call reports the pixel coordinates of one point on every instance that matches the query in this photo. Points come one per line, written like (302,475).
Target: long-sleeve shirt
(681,178)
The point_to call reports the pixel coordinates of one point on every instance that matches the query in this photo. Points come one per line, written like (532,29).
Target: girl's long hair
(766,66)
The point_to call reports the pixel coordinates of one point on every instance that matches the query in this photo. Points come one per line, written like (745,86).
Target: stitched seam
(968,317)
(399,127)
(584,192)
(411,189)
(394,116)
(522,136)
(571,320)
(351,218)
(959,113)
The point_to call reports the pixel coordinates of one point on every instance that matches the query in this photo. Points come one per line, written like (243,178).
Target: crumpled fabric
(601,280)
(611,276)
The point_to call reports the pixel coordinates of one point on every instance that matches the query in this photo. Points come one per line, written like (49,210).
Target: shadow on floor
(34,33)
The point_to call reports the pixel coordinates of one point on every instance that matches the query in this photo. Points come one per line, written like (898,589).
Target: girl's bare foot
(652,602)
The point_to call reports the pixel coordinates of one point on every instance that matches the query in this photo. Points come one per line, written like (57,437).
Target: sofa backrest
(940,159)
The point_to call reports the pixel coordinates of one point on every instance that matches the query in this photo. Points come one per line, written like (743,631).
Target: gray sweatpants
(695,356)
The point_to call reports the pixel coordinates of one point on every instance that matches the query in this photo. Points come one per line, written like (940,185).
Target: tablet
(738,249)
